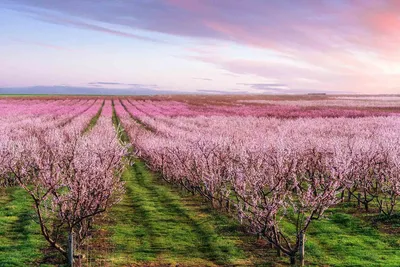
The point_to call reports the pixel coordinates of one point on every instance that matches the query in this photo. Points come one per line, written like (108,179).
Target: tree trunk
(301,247)
(292,260)
(365,201)
(278,250)
(71,249)
(214,203)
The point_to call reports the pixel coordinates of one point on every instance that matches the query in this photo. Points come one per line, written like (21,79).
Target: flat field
(200,180)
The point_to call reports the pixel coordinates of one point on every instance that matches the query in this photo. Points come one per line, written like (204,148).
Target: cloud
(58,15)
(122,84)
(106,83)
(264,85)
(268,87)
(283,25)
(203,79)
(75,90)
(44,45)
(93,27)
(339,43)
(287,75)
(278,25)
(221,92)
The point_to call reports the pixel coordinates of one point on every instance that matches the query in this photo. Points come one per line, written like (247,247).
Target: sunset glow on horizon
(203,46)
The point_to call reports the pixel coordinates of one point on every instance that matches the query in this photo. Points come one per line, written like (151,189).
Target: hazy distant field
(236,180)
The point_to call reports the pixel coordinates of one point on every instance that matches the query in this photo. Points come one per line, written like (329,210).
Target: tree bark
(301,247)
(278,250)
(365,201)
(366,206)
(292,260)
(71,249)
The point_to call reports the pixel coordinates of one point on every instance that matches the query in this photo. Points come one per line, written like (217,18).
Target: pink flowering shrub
(71,177)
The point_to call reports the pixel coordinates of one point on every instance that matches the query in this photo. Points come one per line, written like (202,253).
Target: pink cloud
(338,42)
(45,45)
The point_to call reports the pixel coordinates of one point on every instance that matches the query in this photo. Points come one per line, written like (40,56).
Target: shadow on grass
(154,225)
(21,242)
(177,214)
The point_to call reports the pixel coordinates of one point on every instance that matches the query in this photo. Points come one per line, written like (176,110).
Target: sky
(203,46)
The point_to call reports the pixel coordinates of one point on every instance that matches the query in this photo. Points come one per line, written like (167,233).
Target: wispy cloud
(60,14)
(106,83)
(130,85)
(281,25)
(339,44)
(264,85)
(221,92)
(202,79)
(42,44)
(91,26)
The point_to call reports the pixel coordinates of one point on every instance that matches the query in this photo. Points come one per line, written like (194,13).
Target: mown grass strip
(21,242)
(62,124)
(122,135)
(136,119)
(341,239)
(93,121)
(338,239)
(153,224)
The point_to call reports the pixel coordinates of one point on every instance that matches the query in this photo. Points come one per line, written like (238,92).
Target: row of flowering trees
(269,172)
(259,108)
(71,175)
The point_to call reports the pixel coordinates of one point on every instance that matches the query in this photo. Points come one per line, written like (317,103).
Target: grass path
(158,225)
(20,238)
(164,227)
(154,225)
(341,239)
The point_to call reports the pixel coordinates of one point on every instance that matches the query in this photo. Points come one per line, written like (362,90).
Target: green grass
(156,224)
(93,121)
(20,238)
(341,239)
(153,224)
(338,239)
